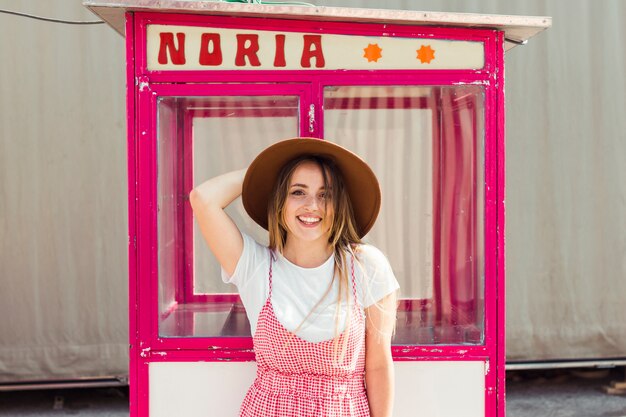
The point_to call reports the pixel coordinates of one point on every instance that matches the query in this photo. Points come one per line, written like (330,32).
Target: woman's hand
(208,201)
(379,375)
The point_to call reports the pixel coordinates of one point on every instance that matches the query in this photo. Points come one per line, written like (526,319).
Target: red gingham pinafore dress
(297,378)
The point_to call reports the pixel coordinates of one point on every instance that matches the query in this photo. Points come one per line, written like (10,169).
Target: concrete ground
(557,393)
(564,393)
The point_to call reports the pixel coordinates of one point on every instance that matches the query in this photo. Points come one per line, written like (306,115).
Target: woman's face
(308,213)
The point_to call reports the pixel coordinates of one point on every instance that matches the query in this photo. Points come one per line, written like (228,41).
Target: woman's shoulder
(370,254)
(375,272)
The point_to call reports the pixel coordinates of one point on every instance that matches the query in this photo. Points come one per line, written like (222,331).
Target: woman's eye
(297,192)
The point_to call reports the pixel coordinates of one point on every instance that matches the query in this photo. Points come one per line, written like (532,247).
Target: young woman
(321,304)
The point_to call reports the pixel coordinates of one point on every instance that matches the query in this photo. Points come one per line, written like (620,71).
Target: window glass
(200,138)
(425,144)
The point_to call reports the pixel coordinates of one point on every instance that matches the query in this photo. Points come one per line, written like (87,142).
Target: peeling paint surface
(144,86)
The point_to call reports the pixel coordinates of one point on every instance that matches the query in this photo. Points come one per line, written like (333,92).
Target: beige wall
(63,210)
(63,227)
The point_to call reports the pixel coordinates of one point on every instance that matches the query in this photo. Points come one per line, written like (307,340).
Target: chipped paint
(161,354)
(142,83)
(476,82)
(487,367)
(145,353)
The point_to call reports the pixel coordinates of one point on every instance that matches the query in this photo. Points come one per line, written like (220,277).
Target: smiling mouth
(309,221)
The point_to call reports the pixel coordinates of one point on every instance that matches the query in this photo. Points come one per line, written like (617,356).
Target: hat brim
(361,183)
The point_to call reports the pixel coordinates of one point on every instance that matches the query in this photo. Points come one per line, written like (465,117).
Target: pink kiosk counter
(419,95)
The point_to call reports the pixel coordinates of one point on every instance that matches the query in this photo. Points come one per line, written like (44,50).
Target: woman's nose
(311,202)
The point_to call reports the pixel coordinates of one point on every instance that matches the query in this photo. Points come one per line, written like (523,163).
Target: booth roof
(517,29)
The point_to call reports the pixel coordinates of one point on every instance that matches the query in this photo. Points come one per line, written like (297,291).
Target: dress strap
(353,277)
(270,274)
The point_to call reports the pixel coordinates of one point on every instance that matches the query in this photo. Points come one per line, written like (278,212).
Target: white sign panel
(199,48)
(423,388)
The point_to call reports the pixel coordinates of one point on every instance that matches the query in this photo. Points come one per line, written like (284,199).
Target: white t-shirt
(296,290)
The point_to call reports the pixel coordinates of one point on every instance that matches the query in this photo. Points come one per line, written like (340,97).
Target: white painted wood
(517,28)
(440,389)
(338,51)
(200,389)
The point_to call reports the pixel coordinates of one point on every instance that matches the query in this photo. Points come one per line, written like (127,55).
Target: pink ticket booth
(419,95)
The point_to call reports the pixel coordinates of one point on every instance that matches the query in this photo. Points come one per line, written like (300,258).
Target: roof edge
(517,29)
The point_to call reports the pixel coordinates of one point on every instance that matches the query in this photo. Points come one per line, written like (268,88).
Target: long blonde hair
(343,237)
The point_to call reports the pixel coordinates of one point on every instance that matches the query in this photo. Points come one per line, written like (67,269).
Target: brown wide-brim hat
(360,181)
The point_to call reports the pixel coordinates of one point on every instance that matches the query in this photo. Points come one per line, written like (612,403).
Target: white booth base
(425,388)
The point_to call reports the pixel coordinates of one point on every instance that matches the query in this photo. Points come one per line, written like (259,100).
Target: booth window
(425,144)
(200,138)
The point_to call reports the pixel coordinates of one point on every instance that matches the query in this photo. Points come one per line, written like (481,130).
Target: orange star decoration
(372,52)
(425,54)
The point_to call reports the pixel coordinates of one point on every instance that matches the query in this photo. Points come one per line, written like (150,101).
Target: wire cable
(49,19)
(516,42)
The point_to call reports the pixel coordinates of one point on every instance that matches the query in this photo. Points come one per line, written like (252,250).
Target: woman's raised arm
(208,201)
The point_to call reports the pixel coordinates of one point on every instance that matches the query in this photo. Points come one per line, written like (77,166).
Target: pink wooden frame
(134,380)
(144,87)
(497,114)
